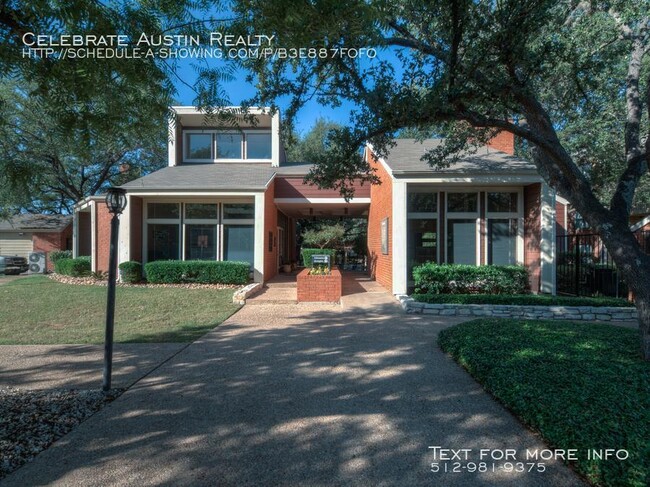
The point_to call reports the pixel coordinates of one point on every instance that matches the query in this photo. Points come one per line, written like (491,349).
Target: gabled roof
(34,223)
(405,158)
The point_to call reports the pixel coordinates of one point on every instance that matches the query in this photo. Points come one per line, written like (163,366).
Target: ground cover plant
(523,300)
(579,385)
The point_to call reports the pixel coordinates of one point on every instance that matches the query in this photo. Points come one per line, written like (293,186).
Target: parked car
(13,264)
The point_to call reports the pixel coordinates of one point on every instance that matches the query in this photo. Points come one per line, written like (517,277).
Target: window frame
(186,133)
(518,215)
(464,215)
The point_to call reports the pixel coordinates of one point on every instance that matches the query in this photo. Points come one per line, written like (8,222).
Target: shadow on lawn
(329,397)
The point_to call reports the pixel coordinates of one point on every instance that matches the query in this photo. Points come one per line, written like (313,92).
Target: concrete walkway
(296,395)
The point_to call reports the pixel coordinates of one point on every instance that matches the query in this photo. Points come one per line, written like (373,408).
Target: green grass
(519,299)
(579,385)
(37,310)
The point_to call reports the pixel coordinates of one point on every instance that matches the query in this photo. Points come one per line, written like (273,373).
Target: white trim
(398,246)
(124,241)
(321,200)
(171,141)
(559,199)
(259,238)
(93,236)
(640,224)
(547,240)
(194,195)
(506,179)
(275,139)
(381,160)
(192,110)
(75,234)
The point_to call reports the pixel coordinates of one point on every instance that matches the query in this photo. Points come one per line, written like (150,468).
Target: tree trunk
(642,302)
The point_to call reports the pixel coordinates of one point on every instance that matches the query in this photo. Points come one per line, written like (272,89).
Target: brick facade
(270,233)
(319,288)
(380,265)
(295,187)
(504,142)
(532,234)
(102,237)
(51,241)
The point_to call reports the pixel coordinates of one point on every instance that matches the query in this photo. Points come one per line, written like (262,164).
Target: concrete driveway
(296,395)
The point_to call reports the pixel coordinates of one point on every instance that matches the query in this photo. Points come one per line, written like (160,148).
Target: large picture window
(229,146)
(238,243)
(162,242)
(200,242)
(199,146)
(502,241)
(258,146)
(216,146)
(461,241)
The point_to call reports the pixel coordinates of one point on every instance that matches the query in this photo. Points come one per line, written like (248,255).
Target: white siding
(16,244)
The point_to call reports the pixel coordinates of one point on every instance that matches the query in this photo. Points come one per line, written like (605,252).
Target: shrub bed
(78,267)
(308,253)
(198,271)
(581,386)
(131,272)
(432,278)
(56,255)
(519,299)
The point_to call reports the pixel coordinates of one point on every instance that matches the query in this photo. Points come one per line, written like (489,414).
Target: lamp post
(116,202)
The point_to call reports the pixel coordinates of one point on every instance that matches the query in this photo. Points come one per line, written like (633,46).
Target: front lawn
(581,386)
(37,310)
(520,299)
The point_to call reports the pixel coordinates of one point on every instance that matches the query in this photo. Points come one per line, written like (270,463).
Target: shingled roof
(33,223)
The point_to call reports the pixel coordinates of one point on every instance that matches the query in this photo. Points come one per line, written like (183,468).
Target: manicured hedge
(432,278)
(131,271)
(308,253)
(56,255)
(197,271)
(519,299)
(73,267)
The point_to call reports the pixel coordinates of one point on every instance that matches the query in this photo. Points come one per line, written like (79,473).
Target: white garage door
(15,244)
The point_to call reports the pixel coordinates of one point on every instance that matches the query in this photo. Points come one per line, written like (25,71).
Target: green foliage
(131,271)
(320,270)
(197,271)
(431,278)
(79,267)
(327,236)
(355,232)
(56,255)
(519,299)
(580,385)
(308,253)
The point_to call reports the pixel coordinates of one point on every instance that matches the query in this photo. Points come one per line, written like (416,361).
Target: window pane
(163,210)
(228,146)
(238,243)
(258,146)
(162,242)
(200,210)
(422,242)
(502,202)
(462,202)
(201,242)
(422,202)
(199,146)
(502,242)
(461,242)
(238,211)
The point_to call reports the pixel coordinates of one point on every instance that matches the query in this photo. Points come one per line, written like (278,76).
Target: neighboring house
(23,234)
(229,194)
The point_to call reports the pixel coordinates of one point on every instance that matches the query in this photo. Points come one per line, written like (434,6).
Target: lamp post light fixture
(116,202)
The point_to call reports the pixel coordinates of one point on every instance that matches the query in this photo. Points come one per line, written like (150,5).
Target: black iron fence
(585,268)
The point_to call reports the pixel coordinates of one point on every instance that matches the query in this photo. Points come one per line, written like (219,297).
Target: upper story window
(214,146)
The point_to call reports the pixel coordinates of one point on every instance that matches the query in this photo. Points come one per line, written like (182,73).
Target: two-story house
(229,194)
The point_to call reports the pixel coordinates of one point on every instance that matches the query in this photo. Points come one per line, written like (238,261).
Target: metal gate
(585,268)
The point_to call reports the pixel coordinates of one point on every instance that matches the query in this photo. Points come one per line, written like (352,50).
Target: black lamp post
(116,202)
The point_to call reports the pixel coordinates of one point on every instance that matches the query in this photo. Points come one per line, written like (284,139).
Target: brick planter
(319,288)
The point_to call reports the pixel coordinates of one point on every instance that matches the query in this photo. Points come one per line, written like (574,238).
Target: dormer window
(227,146)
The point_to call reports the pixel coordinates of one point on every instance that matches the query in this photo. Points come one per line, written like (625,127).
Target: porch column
(547,240)
(75,234)
(93,236)
(258,271)
(124,241)
(398,224)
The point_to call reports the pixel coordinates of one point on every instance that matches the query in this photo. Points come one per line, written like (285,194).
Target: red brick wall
(560,219)
(381,206)
(504,142)
(532,234)
(135,240)
(102,236)
(319,288)
(295,187)
(270,227)
(51,241)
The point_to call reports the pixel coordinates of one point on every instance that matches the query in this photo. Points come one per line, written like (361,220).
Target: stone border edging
(241,295)
(575,313)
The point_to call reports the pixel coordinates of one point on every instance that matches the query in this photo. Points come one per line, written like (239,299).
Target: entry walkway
(294,395)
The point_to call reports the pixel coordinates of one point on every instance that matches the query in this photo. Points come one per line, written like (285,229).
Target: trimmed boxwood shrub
(307,254)
(78,267)
(432,278)
(197,271)
(56,255)
(131,271)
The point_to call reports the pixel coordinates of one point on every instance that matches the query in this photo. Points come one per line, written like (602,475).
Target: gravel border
(30,421)
(91,281)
